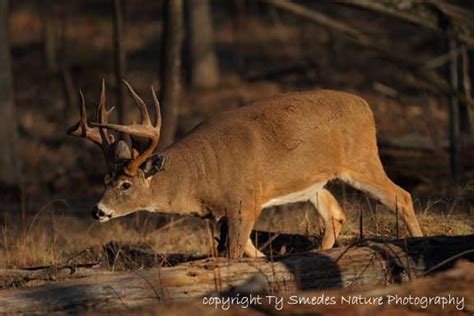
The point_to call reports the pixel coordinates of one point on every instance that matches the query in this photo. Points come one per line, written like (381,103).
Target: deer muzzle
(101,214)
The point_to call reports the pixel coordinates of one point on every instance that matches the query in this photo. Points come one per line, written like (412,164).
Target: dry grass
(379,221)
(55,238)
(46,240)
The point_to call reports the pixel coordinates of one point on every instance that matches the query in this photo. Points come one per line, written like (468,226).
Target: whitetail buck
(275,151)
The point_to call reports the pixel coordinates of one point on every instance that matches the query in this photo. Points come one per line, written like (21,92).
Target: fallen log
(368,263)
(20,277)
(451,293)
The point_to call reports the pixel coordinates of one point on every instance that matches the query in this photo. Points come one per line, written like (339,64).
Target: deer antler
(95,134)
(146,129)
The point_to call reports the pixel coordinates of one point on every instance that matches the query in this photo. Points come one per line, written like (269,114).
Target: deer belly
(299,196)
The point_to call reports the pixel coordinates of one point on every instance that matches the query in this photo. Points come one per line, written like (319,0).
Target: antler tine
(81,128)
(140,103)
(145,130)
(156,103)
(82,110)
(103,115)
(101,106)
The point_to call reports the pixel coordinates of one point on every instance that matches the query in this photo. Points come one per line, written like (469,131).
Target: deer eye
(125,186)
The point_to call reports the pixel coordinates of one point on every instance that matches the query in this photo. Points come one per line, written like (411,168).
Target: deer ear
(122,151)
(135,153)
(154,164)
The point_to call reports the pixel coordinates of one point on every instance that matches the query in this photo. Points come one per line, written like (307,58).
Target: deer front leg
(252,251)
(240,227)
(239,234)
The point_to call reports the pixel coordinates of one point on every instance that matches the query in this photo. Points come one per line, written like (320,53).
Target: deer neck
(175,187)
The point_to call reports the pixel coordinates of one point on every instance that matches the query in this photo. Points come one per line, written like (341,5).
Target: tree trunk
(49,36)
(9,174)
(371,263)
(454,118)
(202,55)
(120,59)
(238,10)
(171,69)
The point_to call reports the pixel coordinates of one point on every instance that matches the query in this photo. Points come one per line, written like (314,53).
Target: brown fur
(238,160)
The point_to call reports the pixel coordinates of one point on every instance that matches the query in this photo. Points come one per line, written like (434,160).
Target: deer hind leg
(332,214)
(252,251)
(372,180)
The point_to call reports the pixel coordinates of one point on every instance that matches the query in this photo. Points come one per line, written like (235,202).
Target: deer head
(127,179)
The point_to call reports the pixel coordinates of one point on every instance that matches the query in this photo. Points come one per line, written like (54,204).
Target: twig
(269,241)
(363,270)
(442,263)
(171,224)
(118,296)
(320,19)
(397,232)
(217,278)
(427,18)
(439,61)
(150,284)
(353,244)
(405,244)
(373,212)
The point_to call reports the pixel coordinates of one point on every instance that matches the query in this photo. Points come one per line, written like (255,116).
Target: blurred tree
(54,19)
(49,35)
(238,10)
(120,58)
(9,174)
(170,75)
(202,55)
(454,117)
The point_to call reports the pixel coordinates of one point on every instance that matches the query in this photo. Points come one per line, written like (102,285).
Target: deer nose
(97,213)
